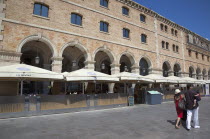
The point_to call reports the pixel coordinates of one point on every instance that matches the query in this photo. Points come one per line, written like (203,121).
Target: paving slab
(137,122)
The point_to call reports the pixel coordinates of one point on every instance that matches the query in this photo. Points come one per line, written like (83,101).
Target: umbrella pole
(95,86)
(83,87)
(125,88)
(21,87)
(65,87)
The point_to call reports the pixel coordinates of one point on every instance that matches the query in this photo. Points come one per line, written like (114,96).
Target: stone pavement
(137,122)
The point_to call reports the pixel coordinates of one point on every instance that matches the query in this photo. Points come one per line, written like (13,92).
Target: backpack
(182,104)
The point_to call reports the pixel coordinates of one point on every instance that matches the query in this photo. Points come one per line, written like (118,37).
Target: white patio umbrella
(178,79)
(208,81)
(127,76)
(23,72)
(192,80)
(88,75)
(159,78)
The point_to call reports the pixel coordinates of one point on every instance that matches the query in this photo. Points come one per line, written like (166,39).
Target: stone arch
(107,51)
(78,45)
(40,38)
(148,61)
(198,72)
(191,71)
(166,68)
(144,65)
(130,57)
(126,61)
(177,69)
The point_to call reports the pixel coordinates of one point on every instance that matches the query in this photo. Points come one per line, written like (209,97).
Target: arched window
(163,44)
(196,55)
(126,33)
(167,45)
(204,74)
(202,56)
(104,26)
(198,72)
(144,67)
(165,68)
(76,19)
(104,3)
(172,31)
(177,49)
(189,53)
(177,70)
(125,11)
(161,27)
(41,9)
(166,28)
(175,32)
(142,18)
(143,38)
(174,48)
(191,70)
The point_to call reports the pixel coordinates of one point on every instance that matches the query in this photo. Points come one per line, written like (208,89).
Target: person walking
(177,98)
(190,95)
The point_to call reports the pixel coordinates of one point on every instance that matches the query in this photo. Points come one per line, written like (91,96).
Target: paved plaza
(137,122)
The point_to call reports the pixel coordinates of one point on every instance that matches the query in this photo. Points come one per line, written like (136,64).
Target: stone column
(156,71)
(57,64)
(184,74)
(115,68)
(135,69)
(90,65)
(111,87)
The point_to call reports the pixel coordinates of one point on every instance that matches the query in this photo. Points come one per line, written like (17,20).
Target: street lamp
(102,66)
(74,63)
(37,59)
(125,68)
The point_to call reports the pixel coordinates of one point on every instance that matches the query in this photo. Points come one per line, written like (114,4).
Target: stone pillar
(170,73)
(184,74)
(115,68)
(57,64)
(111,87)
(90,65)
(135,69)
(156,71)
(9,58)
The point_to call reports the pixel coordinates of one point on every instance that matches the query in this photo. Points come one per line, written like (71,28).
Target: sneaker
(188,129)
(197,127)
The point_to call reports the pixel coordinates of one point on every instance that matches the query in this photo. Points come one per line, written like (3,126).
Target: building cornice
(148,11)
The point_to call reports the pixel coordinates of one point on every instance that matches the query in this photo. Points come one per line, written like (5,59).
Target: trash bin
(154,97)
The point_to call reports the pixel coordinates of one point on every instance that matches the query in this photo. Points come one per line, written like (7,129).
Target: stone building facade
(62,44)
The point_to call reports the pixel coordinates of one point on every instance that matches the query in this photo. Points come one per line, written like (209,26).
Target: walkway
(138,122)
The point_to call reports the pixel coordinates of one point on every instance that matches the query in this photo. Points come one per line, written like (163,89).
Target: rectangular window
(126,33)
(76,19)
(143,38)
(41,10)
(104,26)
(142,18)
(104,3)
(125,11)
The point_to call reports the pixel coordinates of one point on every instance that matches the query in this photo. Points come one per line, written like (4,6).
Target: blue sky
(191,14)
